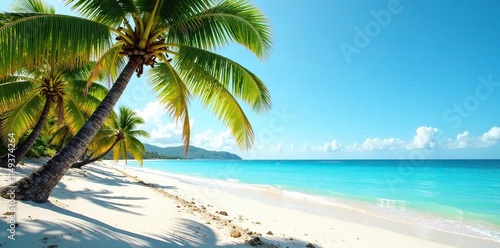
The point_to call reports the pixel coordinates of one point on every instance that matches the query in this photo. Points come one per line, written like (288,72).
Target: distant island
(177,152)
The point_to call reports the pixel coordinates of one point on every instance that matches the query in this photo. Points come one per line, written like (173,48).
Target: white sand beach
(107,205)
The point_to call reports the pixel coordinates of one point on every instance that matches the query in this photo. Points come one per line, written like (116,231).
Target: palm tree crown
(175,38)
(122,135)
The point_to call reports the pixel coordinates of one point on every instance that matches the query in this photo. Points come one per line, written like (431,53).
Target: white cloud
(330,147)
(277,148)
(305,147)
(462,140)
(493,135)
(166,131)
(377,144)
(292,147)
(155,117)
(352,147)
(424,138)
(152,113)
(214,141)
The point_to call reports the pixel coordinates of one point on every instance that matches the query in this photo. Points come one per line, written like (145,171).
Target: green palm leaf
(75,118)
(103,141)
(198,66)
(14,92)
(109,65)
(225,107)
(32,6)
(44,40)
(173,9)
(234,20)
(135,148)
(108,12)
(138,133)
(173,94)
(87,103)
(23,117)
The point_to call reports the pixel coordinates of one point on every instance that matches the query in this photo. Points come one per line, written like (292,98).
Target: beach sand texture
(107,205)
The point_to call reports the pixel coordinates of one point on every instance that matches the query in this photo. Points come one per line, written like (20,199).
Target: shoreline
(357,211)
(387,210)
(117,205)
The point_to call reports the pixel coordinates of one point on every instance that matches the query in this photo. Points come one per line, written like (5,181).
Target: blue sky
(362,79)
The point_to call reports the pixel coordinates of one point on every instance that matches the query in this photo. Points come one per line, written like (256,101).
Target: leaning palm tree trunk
(80,164)
(39,184)
(24,147)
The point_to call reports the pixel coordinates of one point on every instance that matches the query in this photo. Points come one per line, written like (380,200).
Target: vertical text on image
(11,165)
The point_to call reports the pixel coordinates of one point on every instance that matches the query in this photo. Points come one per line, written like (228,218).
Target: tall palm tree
(120,137)
(26,102)
(176,37)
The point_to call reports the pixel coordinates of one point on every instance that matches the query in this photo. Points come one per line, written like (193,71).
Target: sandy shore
(107,205)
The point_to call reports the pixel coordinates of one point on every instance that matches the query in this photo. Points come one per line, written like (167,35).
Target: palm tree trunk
(38,186)
(24,147)
(79,165)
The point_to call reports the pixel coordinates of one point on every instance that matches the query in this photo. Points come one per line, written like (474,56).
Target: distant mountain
(194,153)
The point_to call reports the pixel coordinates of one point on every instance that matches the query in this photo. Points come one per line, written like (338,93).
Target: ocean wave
(391,202)
(233,180)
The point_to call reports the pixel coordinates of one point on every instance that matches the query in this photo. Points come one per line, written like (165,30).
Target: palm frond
(229,21)
(37,40)
(32,6)
(173,9)
(102,144)
(173,94)
(109,66)
(96,91)
(119,151)
(15,92)
(78,73)
(74,117)
(227,109)
(9,17)
(23,117)
(59,134)
(135,148)
(138,133)
(109,12)
(199,66)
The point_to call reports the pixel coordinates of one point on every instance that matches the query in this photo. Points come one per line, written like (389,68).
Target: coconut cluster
(148,54)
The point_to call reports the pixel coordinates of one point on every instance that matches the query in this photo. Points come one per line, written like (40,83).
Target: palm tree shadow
(190,233)
(101,197)
(97,175)
(80,230)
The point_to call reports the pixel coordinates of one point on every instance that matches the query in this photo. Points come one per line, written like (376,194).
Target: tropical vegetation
(120,137)
(28,100)
(176,38)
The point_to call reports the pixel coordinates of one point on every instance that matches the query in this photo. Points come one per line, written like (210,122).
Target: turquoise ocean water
(461,196)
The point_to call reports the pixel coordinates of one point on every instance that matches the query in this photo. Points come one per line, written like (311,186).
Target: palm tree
(26,99)
(26,102)
(176,37)
(120,137)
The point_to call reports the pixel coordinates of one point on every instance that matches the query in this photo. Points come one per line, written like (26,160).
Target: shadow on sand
(89,232)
